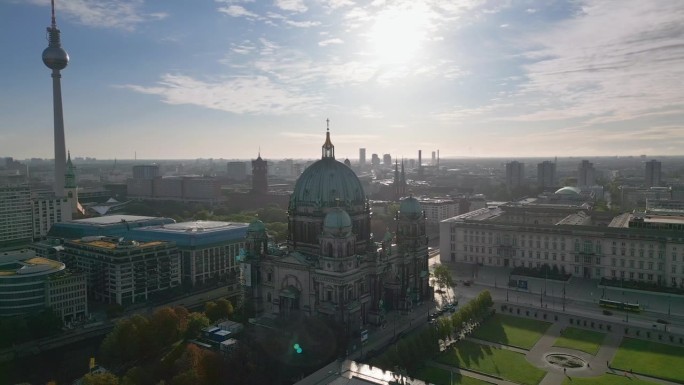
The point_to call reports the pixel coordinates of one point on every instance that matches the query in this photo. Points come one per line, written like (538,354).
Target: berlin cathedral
(331,266)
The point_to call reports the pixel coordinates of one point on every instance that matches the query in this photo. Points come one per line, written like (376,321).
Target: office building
(146,171)
(236,171)
(546,174)
(652,174)
(29,284)
(387,160)
(362,157)
(107,225)
(48,210)
(123,271)
(515,174)
(375,160)
(586,174)
(207,249)
(16,216)
(437,210)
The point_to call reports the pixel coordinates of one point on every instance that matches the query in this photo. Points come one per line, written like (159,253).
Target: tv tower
(56,59)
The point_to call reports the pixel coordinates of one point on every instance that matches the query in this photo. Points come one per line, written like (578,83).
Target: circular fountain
(564,360)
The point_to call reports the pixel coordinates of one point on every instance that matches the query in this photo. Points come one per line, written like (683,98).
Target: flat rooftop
(112,219)
(194,233)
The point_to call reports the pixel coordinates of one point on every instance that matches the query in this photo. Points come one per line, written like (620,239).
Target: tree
(224,308)
(211,310)
(443,277)
(164,327)
(196,322)
(105,378)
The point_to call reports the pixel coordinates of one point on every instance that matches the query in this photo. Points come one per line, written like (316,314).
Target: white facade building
(646,248)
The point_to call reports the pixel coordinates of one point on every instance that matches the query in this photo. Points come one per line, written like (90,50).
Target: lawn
(607,379)
(651,358)
(510,330)
(497,362)
(440,376)
(583,340)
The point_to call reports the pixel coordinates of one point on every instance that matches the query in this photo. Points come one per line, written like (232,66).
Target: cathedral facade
(330,265)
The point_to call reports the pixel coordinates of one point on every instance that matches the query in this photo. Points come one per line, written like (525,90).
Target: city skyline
(223,79)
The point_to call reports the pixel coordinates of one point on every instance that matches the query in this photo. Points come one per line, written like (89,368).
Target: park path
(496,345)
(470,373)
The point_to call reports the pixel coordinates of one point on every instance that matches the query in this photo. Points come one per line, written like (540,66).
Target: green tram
(625,306)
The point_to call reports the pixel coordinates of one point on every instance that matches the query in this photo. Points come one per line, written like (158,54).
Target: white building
(437,210)
(16,215)
(647,248)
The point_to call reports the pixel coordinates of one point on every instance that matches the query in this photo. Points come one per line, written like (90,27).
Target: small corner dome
(568,190)
(337,219)
(410,207)
(257,226)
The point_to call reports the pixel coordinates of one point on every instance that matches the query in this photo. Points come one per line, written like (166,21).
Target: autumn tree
(196,322)
(105,378)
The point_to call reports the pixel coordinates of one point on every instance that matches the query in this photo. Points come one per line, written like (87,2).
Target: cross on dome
(328,150)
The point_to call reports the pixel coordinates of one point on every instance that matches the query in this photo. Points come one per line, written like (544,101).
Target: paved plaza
(578,295)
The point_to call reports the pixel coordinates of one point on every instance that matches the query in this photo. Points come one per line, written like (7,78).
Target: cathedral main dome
(327,187)
(327,183)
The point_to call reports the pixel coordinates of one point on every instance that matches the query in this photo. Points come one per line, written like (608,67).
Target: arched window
(268,297)
(349,249)
(330,250)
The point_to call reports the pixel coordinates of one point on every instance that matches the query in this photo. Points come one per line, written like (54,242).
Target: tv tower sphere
(55,57)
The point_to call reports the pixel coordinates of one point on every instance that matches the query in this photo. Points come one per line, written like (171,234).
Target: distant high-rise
(546,174)
(652,177)
(145,171)
(434,158)
(259,176)
(56,58)
(586,174)
(375,160)
(237,171)
(387,160)
(362,157)
(515,174)
(420,163)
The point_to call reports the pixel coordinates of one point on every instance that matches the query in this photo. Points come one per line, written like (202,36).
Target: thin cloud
(237,11)
(590,69)
(291,5)
(117,14)
(253,95)
(330,41)
(303,24)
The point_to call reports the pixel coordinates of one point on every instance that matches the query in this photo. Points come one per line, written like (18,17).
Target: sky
(180,79)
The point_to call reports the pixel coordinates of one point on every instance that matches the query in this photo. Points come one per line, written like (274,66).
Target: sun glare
(398,34)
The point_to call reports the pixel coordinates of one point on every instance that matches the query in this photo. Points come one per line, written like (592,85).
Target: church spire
(328,150)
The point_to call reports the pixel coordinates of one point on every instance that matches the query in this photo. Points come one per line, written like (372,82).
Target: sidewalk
(468,373)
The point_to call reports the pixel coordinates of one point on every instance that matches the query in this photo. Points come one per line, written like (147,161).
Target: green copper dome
(257,226)
(327,183)
(410,208)
(337,219)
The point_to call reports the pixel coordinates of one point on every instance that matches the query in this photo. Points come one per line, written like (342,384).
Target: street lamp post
(563,296)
